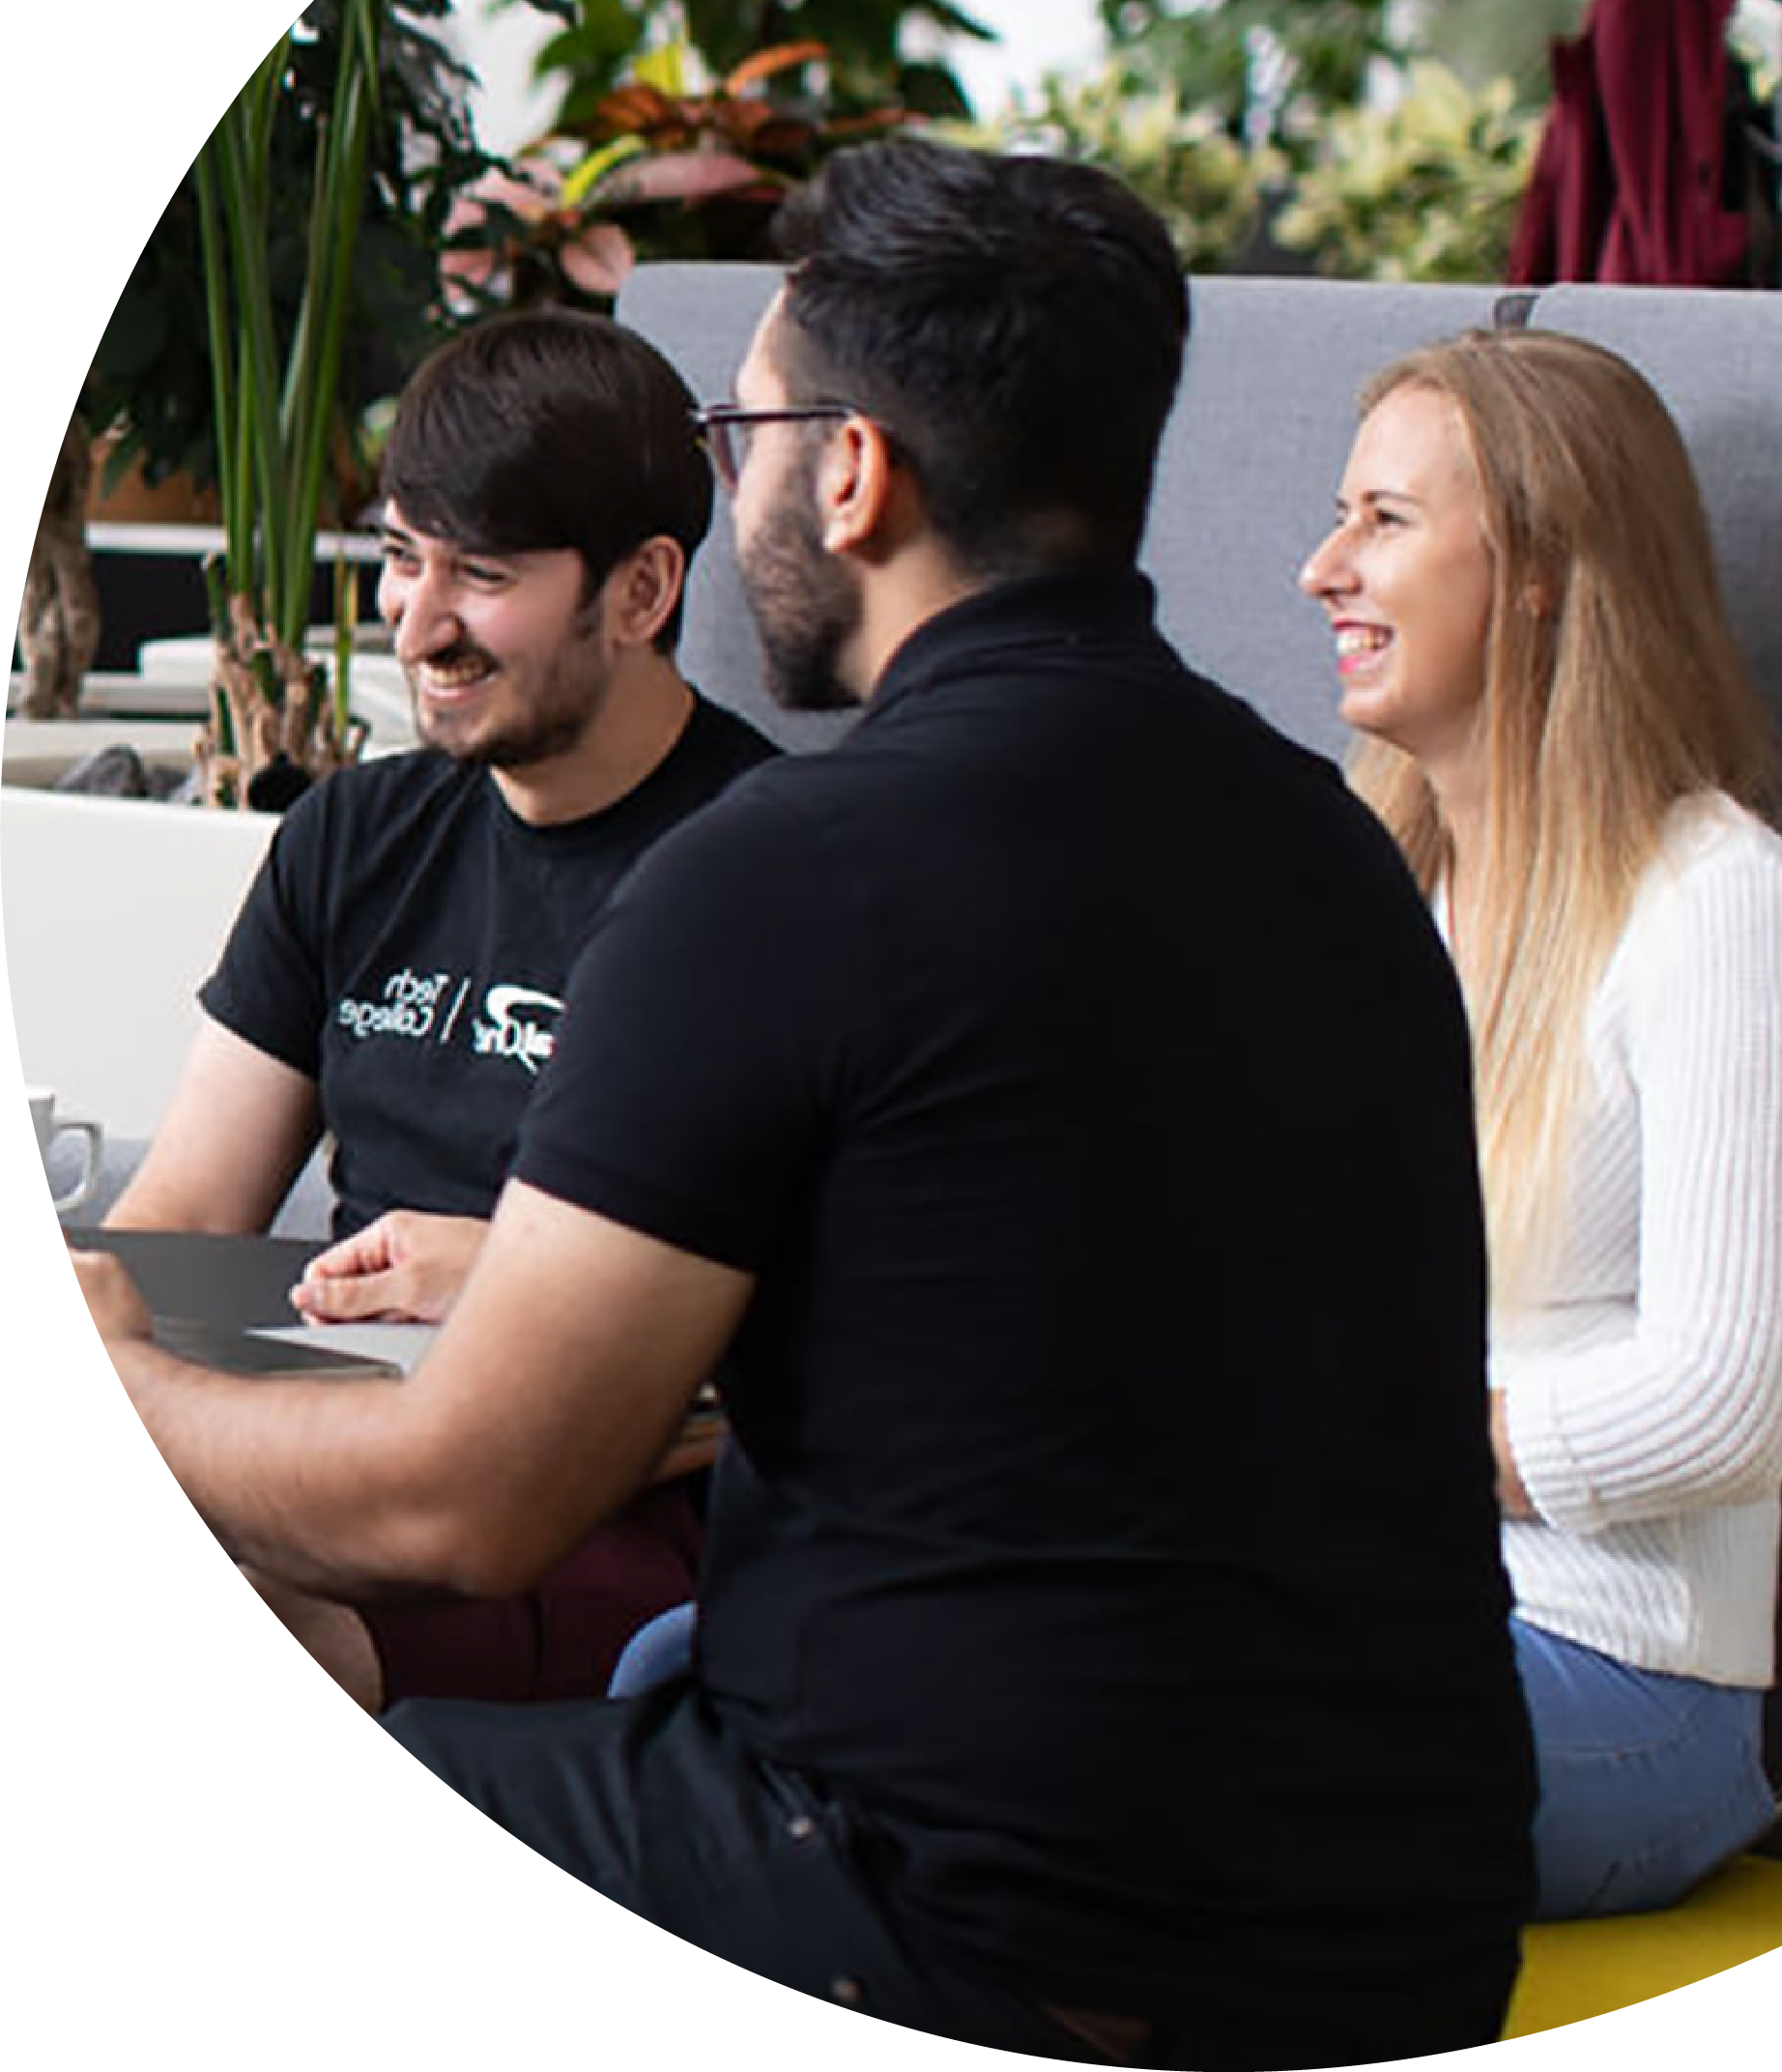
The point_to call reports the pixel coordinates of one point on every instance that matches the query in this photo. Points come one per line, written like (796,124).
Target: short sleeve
(702,1053)
(269,986)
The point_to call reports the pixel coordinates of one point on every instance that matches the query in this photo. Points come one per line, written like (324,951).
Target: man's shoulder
(749,849)
(415,780)
(722,741)
(721,724)
(402,773)
(375,806)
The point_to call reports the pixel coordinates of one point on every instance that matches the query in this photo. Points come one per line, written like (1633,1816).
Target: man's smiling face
(503,652)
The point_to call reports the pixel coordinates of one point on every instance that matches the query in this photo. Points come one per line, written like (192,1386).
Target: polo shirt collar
(1083,608)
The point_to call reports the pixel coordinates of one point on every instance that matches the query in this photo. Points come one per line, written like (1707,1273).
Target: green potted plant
(678,131)
(277,415)
(148,401)
(1181,158)
(1424,190)
(659,166)
(600,43)
(346,90)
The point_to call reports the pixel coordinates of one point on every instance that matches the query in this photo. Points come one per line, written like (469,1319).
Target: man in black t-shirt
(1054,1100)
(397,974)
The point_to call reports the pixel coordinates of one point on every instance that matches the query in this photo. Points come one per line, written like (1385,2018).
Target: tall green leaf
(278,409)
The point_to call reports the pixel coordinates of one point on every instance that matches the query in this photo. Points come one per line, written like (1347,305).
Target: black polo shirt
(1110,1522)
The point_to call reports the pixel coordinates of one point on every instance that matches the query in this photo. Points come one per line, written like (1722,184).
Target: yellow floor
(1572,1969)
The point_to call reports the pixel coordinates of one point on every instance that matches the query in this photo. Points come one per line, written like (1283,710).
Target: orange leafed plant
(655,169)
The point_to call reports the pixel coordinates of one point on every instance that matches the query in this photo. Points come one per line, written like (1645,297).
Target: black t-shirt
(1111,1520)
(407,943)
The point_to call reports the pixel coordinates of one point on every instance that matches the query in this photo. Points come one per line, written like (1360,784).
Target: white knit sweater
(1644,1391)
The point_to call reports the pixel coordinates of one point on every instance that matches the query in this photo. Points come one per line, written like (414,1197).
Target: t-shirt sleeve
(702,1052)
(269,987)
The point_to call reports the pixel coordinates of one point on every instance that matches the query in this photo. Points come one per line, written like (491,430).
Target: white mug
(49,1126)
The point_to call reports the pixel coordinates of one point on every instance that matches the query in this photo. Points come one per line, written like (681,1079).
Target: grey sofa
(1257,445)
(1251,459)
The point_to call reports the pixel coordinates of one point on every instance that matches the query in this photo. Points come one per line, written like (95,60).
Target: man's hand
(111,1295)
(600,1335)
(406,1266)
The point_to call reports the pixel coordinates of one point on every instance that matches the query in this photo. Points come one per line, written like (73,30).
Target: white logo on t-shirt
(514,1023)
(409,1007)
(513,1029)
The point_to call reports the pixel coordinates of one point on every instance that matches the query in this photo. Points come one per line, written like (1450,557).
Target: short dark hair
(1016,324)
(546,429)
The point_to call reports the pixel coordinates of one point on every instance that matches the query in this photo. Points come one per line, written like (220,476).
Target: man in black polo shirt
(1056,1098)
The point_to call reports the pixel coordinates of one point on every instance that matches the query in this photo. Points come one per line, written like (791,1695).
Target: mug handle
(82,1189)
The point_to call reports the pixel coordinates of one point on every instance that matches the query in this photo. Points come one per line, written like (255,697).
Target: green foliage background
(151,375)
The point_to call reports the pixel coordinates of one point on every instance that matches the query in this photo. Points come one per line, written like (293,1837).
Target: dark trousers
(653,1802)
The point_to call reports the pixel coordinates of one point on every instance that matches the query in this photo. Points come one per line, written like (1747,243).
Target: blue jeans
(661,1647)
(1648,1781)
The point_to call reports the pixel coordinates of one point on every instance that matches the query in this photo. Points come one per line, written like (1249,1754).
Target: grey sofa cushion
(305,1211)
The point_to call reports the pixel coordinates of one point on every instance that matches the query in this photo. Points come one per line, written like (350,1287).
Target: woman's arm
(1686,1411)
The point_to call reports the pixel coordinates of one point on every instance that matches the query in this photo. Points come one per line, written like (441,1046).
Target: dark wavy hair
(548,429)
(1015,325)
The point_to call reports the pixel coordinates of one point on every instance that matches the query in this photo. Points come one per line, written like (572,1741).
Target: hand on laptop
(407,1266)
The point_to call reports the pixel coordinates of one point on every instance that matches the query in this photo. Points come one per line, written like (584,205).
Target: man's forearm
(453,1478)
(286,1473)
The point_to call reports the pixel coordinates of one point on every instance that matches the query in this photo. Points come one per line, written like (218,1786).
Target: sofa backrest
(1256,445)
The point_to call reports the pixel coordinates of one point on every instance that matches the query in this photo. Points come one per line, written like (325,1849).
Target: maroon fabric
(561,1639)
(1629,180)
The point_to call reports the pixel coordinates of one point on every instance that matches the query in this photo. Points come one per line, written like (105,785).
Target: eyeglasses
(724,428)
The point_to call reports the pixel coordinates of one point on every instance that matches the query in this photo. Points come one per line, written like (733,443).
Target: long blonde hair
(1613,689)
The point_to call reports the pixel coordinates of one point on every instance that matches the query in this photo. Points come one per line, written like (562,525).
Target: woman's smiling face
(1406,579)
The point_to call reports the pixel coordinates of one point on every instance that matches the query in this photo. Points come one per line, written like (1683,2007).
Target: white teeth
(453,677)
(1360,640)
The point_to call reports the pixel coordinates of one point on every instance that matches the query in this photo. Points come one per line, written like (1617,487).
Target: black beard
(545,735)
(805,605)
(552,726)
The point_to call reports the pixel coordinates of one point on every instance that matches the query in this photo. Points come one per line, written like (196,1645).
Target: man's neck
(642,714)
(897,598)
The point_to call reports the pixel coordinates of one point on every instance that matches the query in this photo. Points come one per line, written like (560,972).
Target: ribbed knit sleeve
(1681,1406)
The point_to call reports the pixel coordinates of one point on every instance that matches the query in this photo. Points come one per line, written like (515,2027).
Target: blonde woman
(1558,729)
